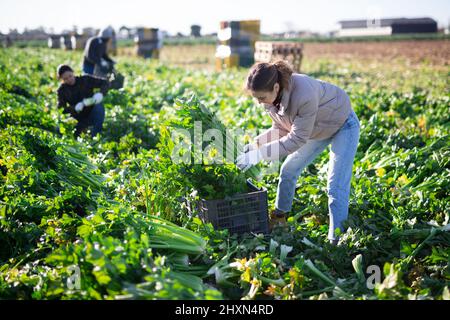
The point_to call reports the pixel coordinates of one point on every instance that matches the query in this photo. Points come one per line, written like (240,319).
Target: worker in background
(96,60)
(82,96)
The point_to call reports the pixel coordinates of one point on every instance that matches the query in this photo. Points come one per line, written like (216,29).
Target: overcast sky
(177,15)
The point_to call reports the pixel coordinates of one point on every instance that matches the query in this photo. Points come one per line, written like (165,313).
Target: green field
(109,210)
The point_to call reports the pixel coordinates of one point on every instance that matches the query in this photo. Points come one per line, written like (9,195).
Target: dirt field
(433,53)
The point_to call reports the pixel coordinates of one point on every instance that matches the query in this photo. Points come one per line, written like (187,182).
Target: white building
(386,27)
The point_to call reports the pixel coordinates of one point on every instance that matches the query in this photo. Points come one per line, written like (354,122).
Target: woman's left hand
(248,159)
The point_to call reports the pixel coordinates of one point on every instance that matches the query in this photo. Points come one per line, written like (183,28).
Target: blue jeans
(343,148)
(95,119)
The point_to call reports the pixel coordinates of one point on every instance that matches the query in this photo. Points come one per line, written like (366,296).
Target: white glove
(79,107)
(98,97)
(248,159)
(88,101)
(104,63)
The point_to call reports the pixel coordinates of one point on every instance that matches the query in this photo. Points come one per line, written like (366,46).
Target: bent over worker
(96,59)
(308,115)
(77,96)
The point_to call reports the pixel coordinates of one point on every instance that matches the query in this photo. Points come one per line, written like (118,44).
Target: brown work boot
(277,218)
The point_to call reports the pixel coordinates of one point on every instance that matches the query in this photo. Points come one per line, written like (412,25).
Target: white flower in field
(158,286)
(240,264)
(411,222)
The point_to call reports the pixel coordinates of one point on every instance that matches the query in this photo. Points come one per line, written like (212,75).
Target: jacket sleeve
(93,52)
(271,134)
(107,58)
(62,103)
(301,130)
(95,82)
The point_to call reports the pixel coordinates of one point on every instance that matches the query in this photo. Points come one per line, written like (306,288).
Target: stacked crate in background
(79,41)
(236,43)
(54,41)
(292,52)
(66,42)
(148,42)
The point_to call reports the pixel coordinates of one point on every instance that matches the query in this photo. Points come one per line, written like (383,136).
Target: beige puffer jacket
(309,109)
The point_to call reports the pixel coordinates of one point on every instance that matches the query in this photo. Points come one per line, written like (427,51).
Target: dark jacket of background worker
(76,95)
(96,60)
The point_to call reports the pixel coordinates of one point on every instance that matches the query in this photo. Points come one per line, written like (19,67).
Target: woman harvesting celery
(307,116)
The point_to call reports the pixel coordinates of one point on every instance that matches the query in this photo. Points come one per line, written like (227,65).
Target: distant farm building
(196,31)
(386,27)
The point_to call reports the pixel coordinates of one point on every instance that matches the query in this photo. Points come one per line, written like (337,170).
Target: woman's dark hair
(263,76)
(63,68)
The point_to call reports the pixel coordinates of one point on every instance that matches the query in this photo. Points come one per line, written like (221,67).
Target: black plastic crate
(241,213)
